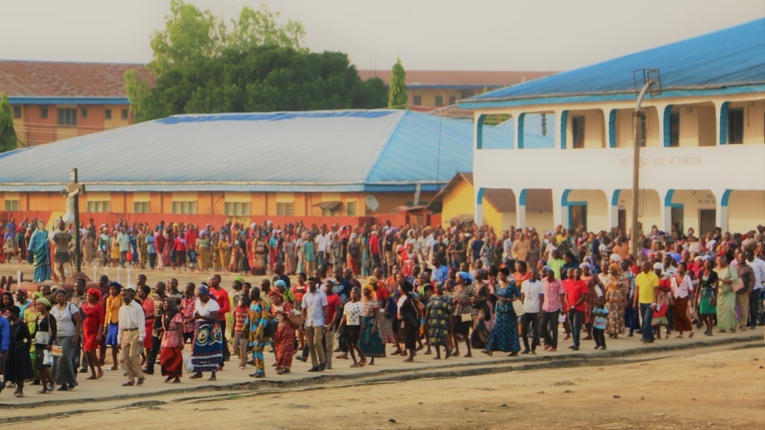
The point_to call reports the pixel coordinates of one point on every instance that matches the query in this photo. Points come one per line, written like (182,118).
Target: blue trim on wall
(724,123)
(479,196)
(519,126)
(522,201)
(667,124)
(612,129)
(615,198)
(587,98)
(725,198)
(479,132)
(563,127)
(668,200)
(564,197)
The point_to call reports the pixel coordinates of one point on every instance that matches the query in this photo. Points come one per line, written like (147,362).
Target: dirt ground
(712,388)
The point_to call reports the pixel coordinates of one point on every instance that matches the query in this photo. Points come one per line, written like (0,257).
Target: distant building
(58,100)
(324,166)
(435,88)
(704,140)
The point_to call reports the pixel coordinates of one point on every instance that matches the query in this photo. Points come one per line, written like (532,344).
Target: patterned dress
(504,335)
(256,321)
(615,304)
(439,310)
(370,342)
(284,339)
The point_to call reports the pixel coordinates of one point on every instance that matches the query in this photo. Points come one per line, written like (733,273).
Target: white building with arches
(703,161)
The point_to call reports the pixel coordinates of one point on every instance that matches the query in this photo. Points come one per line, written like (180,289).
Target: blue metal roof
(713,63)
(345,150)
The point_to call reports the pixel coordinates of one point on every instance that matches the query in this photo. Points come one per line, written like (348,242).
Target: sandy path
(721,388)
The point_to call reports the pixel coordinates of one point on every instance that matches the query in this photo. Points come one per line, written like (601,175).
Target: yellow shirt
(647,285)
(113,304)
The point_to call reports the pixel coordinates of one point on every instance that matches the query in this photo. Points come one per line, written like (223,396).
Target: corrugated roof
(44,79)
(354,150)
(719,60)
(457,78)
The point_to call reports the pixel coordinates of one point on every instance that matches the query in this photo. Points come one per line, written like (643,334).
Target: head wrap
(280,283)
(465,276)
(239,279)
(585,266)
(658,266)
(23,294)
(615,266)
(59,291)
(95,292)
(274,293)
(37,294)
(370,287)
(373,280)
(203,290)
(44,301)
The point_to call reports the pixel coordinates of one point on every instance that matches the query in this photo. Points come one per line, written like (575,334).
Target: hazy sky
(426,34)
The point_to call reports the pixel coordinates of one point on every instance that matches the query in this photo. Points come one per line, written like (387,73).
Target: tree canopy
(8,138)
(398,97)
(199,66)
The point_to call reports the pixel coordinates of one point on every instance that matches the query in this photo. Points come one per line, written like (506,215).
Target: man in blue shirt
(5,340)
(440,273)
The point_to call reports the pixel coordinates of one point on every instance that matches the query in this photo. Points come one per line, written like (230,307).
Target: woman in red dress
(92,330)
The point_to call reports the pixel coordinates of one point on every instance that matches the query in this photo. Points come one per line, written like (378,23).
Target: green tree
(398,97)
(201,67)
(8,138)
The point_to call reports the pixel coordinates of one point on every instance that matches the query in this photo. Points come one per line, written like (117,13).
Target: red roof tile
(63,79)
(458,77)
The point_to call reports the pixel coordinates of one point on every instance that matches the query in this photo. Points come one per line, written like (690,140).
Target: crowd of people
(363,294)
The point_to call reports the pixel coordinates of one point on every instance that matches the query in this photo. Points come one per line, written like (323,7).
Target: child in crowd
(240,338)
(600,313)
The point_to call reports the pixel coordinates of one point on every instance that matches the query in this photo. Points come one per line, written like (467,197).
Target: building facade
(324,166)
(703,137)
(53,101)
(430,89)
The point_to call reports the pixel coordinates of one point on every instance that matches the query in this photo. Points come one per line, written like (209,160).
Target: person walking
(131,333)
(532,294)
(69,325)
(504,335)
(316,313)
(554,294)
(18,365)
(207,353)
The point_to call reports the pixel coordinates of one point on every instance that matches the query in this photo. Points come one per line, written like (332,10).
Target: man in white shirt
(758,266)
(315,310)
(532,293)
(131,332)
(323,240)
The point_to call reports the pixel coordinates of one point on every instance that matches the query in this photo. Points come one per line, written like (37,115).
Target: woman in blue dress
(504,335)
(39,248)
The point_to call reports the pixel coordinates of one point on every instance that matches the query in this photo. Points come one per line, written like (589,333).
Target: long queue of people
(504,292)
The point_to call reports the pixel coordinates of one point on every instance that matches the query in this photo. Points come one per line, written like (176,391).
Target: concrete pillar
(560,208)
(561,122)
(666,209)
(613,208)
(722,196)
(478,216)
(520,209)
(721,116)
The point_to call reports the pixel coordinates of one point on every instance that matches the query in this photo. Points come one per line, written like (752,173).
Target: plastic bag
(187,362)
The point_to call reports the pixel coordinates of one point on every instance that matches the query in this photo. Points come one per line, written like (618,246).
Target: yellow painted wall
(754,115)
(499,221)
(597,208)
(746,210)
(428,96)
(594,129)
(649,211)
(625,130)
(458,201)
(707,125)
(540,220)
(693,202)
(116,120)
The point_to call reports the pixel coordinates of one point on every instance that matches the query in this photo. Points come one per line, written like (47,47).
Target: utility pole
(72,187)
(651,85)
